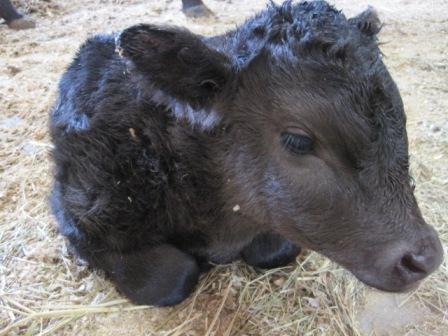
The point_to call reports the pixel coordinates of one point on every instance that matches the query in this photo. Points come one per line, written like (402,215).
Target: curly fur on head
(307,29)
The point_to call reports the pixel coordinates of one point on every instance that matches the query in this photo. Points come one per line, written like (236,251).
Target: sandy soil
(44,290)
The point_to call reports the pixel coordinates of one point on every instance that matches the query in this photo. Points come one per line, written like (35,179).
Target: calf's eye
(297,143)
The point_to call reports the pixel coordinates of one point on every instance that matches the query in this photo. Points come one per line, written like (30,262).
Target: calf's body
(173,151)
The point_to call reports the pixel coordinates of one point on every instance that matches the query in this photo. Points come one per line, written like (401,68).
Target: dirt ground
(45,291)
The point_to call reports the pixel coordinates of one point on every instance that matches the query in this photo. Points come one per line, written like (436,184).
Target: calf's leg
(8,12)
(14,19)
(270,250)
(161,275)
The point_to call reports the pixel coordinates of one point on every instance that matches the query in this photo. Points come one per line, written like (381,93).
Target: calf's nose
(420,260)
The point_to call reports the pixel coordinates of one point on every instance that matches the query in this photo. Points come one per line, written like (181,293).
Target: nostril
(415,263)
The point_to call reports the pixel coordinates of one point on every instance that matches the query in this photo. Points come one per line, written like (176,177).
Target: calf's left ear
(176,61)
(367,22)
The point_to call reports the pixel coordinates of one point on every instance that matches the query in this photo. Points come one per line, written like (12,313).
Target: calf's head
(317,146)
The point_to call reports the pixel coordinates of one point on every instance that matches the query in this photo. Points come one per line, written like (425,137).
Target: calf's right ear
(176,61)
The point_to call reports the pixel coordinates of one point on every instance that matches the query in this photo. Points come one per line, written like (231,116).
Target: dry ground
(44,290)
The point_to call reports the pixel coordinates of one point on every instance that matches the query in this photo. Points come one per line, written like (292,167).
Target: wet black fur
(158,167)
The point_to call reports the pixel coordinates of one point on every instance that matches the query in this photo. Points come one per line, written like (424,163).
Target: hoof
(200,11)
(22,23)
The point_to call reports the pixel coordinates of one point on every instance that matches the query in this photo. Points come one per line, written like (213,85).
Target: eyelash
(298,144)
(412,183)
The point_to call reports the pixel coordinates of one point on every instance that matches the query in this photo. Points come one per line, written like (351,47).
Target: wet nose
(420,260)
(399,265)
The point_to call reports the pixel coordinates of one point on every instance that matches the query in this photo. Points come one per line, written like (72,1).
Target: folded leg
(270,250)
(161,275)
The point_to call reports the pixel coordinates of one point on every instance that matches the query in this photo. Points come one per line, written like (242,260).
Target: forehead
(325,98)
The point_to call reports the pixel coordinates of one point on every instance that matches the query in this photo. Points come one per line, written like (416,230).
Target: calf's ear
(367,22)
(176,61)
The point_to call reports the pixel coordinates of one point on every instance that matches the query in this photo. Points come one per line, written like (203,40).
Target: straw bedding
(45,291)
